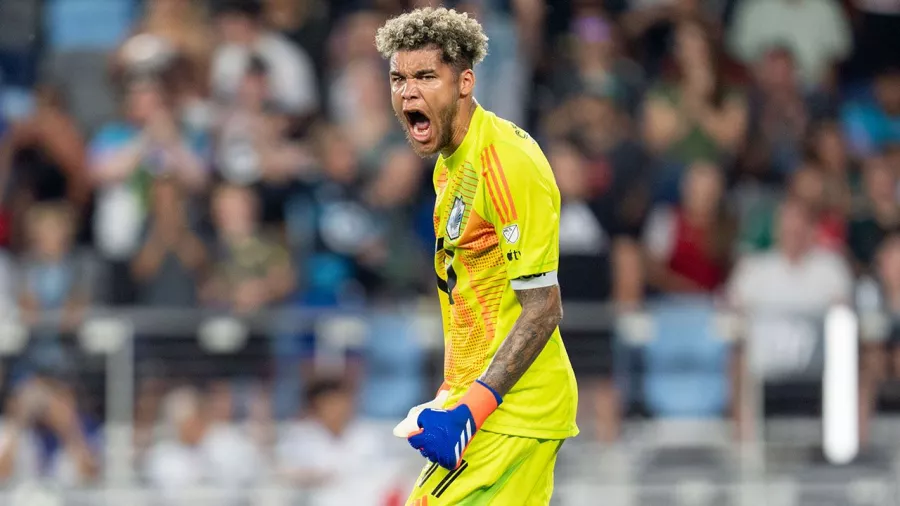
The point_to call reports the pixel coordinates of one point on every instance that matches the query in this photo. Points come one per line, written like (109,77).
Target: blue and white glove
(444,435)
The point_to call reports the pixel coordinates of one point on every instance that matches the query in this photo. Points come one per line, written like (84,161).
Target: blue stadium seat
(19,23)
(686,362)
(394,367)
(71,25)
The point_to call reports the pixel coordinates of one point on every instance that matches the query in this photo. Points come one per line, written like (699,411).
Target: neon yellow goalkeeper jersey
(496,219)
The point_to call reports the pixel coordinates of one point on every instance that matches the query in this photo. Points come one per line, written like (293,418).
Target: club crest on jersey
(454,221)
(511,233)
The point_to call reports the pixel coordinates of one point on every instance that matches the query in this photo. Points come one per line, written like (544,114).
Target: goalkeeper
(509,397)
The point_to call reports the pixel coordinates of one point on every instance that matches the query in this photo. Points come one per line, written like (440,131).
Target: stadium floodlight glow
(840,386)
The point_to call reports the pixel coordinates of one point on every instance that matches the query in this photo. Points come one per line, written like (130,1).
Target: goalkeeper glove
(444,435)
(410,423)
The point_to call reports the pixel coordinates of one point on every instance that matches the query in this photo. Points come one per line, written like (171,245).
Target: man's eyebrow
(422,72)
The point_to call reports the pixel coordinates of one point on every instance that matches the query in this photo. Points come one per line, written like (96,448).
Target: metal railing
(627,480)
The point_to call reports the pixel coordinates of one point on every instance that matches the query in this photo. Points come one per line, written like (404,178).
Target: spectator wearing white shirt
(339,459)
(815,31)
(197,455)
(784,294)
(292,77)
(795,276)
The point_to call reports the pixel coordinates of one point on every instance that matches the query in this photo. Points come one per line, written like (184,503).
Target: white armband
(537,281)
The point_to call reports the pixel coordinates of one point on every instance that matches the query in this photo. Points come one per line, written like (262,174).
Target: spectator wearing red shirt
(689,245)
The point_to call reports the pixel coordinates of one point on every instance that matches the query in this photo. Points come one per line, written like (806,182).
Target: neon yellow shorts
(498,470)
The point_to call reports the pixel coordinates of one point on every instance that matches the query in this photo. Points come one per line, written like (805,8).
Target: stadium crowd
(241,155)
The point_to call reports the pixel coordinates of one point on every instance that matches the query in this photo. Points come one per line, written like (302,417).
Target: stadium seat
(686,361)
(98,25)
(19,22)
(394,361)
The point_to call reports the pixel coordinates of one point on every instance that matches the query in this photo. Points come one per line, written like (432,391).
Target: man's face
(233,212)
(425,95)
(144,101)
(235,28)
(795,229)
(887,90)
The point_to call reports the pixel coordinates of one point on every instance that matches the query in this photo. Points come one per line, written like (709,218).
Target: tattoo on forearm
(541,313)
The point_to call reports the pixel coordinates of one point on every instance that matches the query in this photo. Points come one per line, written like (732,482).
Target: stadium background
(215,268)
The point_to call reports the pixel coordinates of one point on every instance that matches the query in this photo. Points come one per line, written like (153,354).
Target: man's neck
(460,127)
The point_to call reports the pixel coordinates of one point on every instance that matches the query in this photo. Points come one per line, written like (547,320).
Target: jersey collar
(471,138)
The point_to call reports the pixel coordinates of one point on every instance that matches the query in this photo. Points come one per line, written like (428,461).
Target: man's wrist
(482,400)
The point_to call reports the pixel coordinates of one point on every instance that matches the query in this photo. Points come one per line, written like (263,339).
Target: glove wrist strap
(482,400)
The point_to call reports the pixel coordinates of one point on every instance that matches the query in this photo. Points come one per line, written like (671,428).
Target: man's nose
(410,90)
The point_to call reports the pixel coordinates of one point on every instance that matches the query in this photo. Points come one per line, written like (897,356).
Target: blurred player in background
(496,218)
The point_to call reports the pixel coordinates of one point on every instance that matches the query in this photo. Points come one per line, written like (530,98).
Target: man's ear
(466,83)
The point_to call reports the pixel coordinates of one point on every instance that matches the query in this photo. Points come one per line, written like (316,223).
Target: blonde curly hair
(461,39)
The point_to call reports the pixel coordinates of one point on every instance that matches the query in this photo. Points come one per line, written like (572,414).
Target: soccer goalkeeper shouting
(509,397)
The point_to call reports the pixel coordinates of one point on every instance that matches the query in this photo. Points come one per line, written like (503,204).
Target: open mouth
(419,125)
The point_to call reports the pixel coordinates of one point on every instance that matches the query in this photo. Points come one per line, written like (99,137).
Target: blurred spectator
(810,186)
(170,263)
(689,247)
(330,452)
(872,125)
(363,205)
(126,156)
(47,153)
(43,159)
(650,24)
(200,449)
(505,74)
(878,219)
(784,294)
(306,23)
(887,267)
(843,177)
(363,242)
(254,148)
(250,271)
(8,283)
(351,48)
(878,302)
(293,79)
(603,180)
(795,277)
(596,65)
(779,116)
(174,38)
(815,31)
(171,29)
(45,435)
(54,278)
(698,116)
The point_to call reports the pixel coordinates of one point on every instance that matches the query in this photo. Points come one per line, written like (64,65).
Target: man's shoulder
(508,148)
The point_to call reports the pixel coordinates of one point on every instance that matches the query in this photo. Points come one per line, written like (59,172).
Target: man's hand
(443,436)
(410,424)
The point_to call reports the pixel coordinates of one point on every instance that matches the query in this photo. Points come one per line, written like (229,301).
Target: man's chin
(423,149)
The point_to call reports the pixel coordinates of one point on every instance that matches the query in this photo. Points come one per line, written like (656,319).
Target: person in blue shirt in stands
(874,124)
